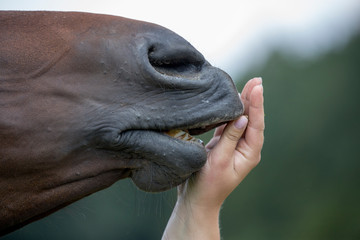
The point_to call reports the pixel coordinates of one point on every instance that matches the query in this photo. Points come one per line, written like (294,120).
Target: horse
(89,99)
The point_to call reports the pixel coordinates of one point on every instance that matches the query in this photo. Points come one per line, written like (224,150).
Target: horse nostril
(175,60)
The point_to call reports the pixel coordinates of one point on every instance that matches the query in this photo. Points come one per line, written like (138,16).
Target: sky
(233,35)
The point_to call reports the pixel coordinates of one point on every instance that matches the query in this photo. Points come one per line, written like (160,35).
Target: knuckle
(232,136)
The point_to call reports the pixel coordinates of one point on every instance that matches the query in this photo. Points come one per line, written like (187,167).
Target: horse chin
(165,161)
(156,178)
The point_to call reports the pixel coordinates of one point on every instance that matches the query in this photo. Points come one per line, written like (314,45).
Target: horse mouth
(188,134)
(184,136)
(166,158)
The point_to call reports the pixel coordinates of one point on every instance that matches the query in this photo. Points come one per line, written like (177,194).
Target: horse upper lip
(204,129)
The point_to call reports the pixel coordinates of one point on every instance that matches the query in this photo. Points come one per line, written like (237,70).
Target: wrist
(190,221)
(204,208)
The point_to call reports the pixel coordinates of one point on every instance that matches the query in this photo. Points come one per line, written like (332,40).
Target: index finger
(246,92)
(254,135)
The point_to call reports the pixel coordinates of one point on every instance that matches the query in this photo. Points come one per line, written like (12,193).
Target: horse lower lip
(183,135)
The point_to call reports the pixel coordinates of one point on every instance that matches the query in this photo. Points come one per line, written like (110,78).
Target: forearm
(189,222)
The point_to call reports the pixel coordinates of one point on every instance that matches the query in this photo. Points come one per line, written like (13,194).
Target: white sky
(233,34)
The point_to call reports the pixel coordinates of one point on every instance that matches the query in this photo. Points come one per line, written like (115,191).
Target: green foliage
(306,187)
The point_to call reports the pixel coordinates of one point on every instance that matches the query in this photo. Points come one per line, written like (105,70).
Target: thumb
(232,134)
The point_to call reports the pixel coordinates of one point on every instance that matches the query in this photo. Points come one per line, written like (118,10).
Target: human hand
(233,152)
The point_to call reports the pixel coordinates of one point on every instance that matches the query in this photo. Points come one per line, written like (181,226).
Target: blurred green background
(307,185)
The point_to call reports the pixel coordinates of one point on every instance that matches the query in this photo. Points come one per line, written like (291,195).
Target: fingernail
(259,80)
(241,122)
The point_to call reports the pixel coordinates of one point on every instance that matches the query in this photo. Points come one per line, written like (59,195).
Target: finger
(212,143)
(254,135)
(219,130)
(231,135)
(245,94)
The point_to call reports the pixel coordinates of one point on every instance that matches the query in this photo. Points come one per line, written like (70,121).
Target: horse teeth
(179,134)
(186,136)
(183,135)
(175,133)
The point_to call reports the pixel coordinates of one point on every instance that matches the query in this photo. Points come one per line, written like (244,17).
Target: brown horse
(86,100)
